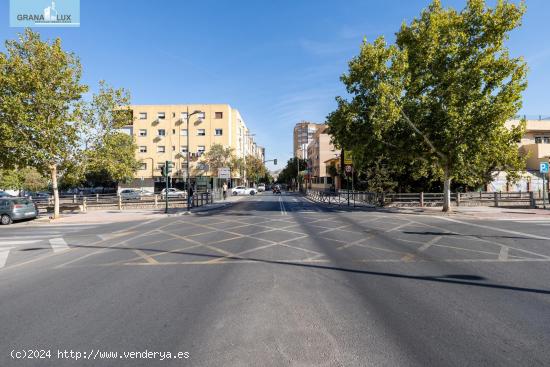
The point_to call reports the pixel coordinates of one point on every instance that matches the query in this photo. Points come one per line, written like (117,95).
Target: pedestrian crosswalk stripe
(4,252)
(58,244)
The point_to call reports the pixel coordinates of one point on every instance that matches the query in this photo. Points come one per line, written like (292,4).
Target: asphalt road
(277,281)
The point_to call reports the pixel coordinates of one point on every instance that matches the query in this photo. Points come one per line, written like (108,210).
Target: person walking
(224,190)
(190,196)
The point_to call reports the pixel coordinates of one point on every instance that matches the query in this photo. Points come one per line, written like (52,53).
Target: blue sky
(277,61)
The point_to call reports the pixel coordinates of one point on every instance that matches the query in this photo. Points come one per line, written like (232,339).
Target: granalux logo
(44,13)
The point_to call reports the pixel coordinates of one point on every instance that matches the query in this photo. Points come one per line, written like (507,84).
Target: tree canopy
(436,102)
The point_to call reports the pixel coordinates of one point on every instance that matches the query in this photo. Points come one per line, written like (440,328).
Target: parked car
(15,209)
(4,194)
(143,192)
(261,188)
(241,190)
(130,194)
(173,193)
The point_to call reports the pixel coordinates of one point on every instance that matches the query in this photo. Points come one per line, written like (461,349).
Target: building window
(201,149)
(142,166)
(173,148)
(538,139)
(183,132)
(160,166)
(161,149)
(161,132)
(161,115)
(143,115)
(173,131)
(201,132)
(142,132)
(219,132)
(143,149)
(219,115)
(184,149)
(173,114)
(183,115)
(546,140)
(201,115)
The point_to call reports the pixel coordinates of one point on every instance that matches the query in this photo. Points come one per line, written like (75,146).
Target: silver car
(16,208)
(130,194)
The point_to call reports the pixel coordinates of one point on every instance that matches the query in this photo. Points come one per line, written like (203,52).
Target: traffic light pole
(166,176)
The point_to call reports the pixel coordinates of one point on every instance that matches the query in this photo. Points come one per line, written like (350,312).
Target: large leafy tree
(39,87)
(108,151)
(255,169)
(218,156)
(438,99)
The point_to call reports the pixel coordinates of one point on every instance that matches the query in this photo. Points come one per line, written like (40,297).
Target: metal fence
(425,199)
(113,201)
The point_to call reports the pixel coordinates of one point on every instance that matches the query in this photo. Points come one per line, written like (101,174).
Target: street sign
(224,172)
(543,167)
(348,169)
(348,159)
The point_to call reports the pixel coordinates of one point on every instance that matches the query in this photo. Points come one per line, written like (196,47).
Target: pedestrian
(190,198)
(224,190)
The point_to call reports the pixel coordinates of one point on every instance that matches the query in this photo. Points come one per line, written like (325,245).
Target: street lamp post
(188,180)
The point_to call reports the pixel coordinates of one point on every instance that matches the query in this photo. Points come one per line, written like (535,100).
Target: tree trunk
(53,169)
(447,192)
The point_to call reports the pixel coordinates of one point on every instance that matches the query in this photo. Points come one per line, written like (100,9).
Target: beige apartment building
(319,151)
(161,133)
(302,136)
(535,145)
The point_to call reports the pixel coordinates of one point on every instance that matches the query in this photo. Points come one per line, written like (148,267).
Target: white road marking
(17,242)
(428,244)
(58,244)
(282,205)
(4,252)
(494,228)
(503,255)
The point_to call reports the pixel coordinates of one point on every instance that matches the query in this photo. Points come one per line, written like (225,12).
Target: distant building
(160,132)
(303,134)
(319,151)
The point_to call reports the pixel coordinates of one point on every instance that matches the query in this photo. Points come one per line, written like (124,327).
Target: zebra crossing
(16,245)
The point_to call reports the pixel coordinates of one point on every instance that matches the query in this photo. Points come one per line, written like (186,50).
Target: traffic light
(275,162)
(167,169)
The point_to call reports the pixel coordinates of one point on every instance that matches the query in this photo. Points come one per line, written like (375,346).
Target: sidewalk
(128,215)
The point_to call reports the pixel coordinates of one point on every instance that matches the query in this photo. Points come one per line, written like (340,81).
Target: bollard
(84,205)
(97,198)
(422,199)
(458,199)
(532,202)
(74,198)
(119,203)
(495,198)
(156,201)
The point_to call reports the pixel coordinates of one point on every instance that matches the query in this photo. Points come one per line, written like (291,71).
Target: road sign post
(543,169)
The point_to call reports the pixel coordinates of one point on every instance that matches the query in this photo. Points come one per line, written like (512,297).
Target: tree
(39,88)
(290,172)
(218,156)
(109,152)
(255,169)
(438,100)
